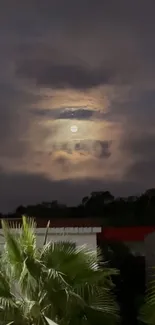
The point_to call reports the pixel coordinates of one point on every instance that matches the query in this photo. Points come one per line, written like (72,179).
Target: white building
(81,231)
(79,235)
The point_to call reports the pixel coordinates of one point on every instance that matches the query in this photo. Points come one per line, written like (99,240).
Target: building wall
(79,239)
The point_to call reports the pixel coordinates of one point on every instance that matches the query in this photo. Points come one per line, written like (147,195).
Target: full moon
(74,128)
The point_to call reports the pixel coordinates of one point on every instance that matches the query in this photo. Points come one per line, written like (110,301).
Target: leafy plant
(58,283)
(147,309)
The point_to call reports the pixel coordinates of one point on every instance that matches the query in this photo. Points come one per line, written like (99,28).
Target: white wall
(79,239)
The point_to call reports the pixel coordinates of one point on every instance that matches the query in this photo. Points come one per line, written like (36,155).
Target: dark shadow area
(130,283)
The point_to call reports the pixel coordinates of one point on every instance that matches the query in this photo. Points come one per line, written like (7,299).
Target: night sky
(88,64)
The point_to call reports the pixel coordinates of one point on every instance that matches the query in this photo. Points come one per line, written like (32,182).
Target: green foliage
(147,309)
(57,283)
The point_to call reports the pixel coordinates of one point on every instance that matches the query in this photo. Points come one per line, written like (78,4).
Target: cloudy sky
(83,63)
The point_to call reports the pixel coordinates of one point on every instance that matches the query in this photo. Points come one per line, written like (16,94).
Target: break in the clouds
(84,63)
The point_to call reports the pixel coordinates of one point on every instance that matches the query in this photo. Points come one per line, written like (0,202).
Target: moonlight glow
(74,128)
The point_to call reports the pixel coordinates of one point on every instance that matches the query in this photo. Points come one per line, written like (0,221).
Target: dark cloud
(68,113)
(141,146)
(142,171)
(14,120)
(78,114)
(137,106)
(96,148)
(86,44)
(79,17)
(82,114)
(141,149)
(71,113)
(63,76)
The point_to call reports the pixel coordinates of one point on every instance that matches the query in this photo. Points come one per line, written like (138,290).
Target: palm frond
(55,253)
(49,321)
(103,300)
(18,256)
(147,310)
(79,268)
(11,243)
(12,254)
(7,298)
(28,236)
(27,282)
(99,317)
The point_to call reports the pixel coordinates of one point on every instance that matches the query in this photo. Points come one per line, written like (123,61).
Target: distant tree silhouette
(85,200)
(119,211)
(20,210)
(97,200)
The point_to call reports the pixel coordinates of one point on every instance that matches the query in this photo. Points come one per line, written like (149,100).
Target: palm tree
(58,282)
(147,309)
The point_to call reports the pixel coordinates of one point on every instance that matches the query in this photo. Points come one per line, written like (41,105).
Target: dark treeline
(122,211)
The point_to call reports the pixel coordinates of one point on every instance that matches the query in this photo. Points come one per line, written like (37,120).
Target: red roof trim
(125,234)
